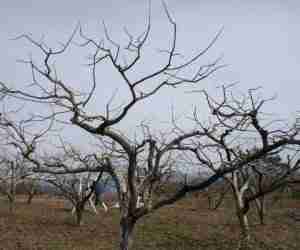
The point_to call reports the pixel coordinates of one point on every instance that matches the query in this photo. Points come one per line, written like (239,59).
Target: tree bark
(126,230)
(12,205)
(79,214)
(260,206)
(241,211)
(29,198)
(12,191)
(245,230)
(244,225)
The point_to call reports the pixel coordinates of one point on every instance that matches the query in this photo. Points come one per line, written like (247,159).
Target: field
(47,224)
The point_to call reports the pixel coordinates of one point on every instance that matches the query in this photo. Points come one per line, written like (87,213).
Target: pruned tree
(17,141)
(12,172)
(50,89)
(269,175)
(31,187)
(259,176)
(254,182)
(216,195)
(71,184)
(237,125)
(151,155)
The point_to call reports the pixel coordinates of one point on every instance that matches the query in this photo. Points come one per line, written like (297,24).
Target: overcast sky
(260,43)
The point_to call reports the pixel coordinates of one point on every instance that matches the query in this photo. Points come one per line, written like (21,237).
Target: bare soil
(47,224)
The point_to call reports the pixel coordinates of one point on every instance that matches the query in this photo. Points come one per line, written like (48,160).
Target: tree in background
(144,162)
(236,141)
(31,187)
(12,172)
(16,142)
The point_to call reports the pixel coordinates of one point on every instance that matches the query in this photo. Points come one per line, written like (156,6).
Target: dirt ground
(47,224)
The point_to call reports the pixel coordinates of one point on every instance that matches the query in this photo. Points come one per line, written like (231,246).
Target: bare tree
(50,89)
(236,126)
(13,171)
(72,185)
(216,194)
(16,142)
(275,174)
(253,182)
(152,155)
(260,176)
(31,187)
(68,187)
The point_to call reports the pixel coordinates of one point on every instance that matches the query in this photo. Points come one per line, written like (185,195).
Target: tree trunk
(79,214)
(11,206)
(262,214)
(245,230)
(244,240)
(126,230)
(260,206)
(241,212)
(210,201)
(29,198)
(12,191)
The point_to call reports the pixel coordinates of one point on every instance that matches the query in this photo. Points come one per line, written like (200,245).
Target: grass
(47,224)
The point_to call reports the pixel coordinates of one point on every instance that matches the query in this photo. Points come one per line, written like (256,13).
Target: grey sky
(260,42)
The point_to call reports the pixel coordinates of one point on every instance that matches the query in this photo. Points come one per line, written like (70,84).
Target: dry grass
(47,225)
